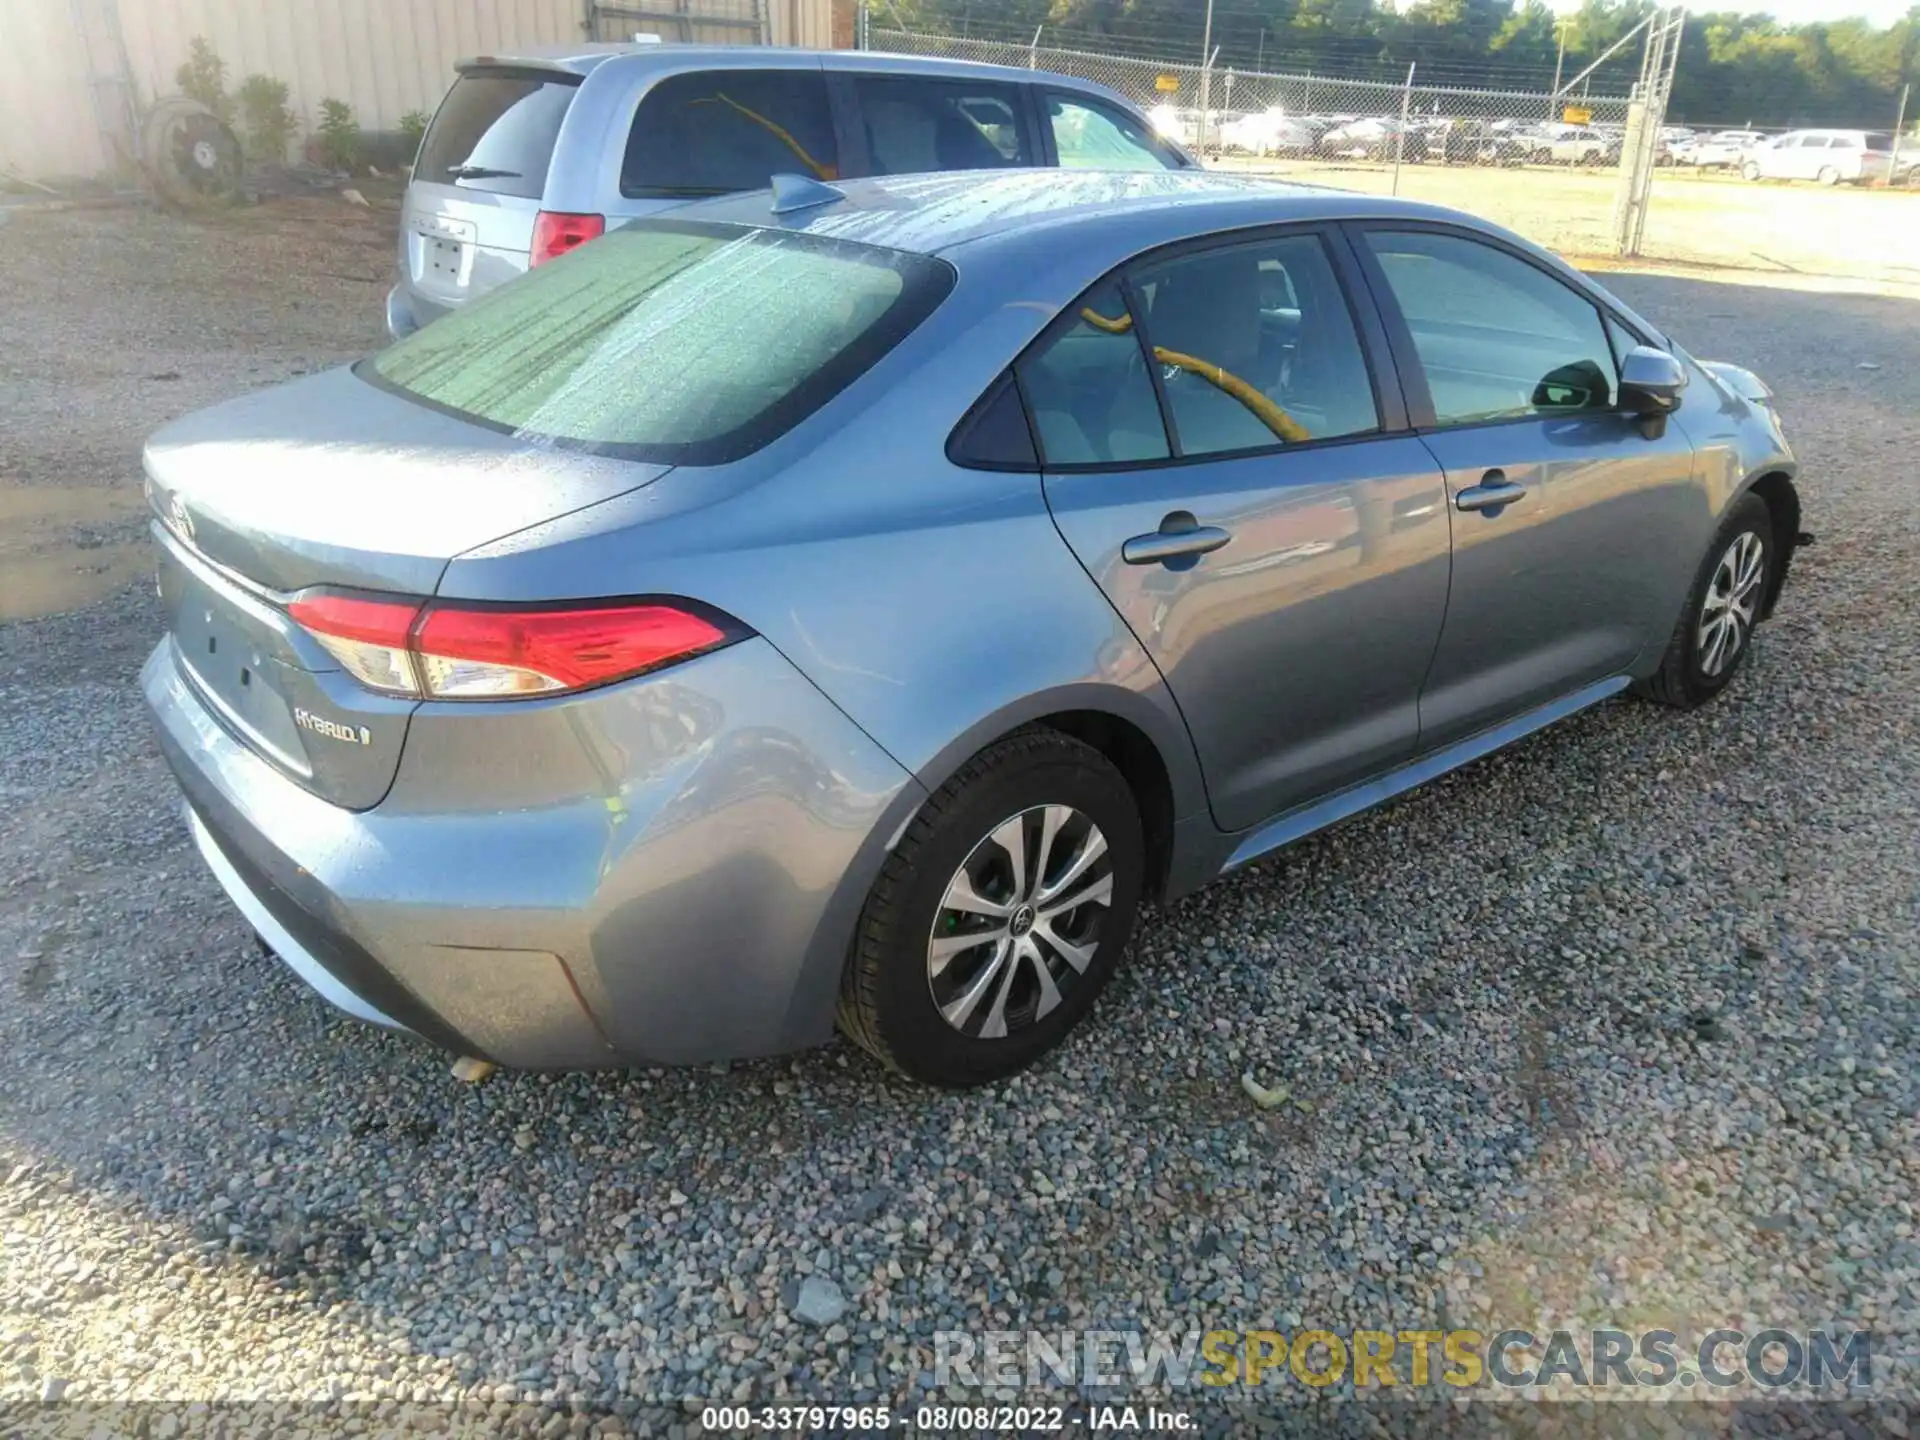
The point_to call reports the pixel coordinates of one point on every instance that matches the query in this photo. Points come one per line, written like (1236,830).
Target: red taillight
(555,233)
(458,652)
(493,653)
(367,636)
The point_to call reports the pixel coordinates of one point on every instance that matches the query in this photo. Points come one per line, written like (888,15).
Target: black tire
(887,1003)
(1685,678)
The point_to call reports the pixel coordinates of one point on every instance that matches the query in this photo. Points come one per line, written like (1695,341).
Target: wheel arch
(1146,742)
(1776,489)
(1142,734)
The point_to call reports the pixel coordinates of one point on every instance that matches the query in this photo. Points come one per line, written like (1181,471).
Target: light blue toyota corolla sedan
(854,602)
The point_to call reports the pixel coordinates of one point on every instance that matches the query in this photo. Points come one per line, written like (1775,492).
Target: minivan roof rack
(801,192)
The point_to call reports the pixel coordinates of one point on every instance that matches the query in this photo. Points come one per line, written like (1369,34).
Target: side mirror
(1650,381)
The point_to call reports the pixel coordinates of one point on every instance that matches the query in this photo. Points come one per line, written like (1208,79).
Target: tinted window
(1088,388)
(718,131)
(995,435)
(670,341)
(1496,337)
(1091,136)
(914,125)
(1880,141)
(1256,347)
(495,132)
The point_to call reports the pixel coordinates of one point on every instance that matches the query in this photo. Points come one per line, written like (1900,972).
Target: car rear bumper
(665,871)
(407,312)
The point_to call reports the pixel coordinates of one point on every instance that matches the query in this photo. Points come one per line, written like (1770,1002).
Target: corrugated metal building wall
(383,57)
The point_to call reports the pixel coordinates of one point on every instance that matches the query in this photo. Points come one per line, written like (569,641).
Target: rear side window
(1256,347)
(1090,136)
(1879,141)
(914,125)
(669,341)
(717,131)
(495,131)
(1088,388)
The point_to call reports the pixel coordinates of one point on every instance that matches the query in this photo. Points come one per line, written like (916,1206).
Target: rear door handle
(1493,492)
(1179,537)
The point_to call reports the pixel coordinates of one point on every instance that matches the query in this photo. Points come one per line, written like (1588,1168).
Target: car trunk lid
(332,482)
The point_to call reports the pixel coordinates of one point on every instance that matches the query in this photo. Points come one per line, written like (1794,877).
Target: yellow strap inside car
(1263,408)
(820,172)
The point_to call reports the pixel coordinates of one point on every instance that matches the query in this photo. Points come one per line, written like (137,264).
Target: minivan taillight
(500,652)
(555,233)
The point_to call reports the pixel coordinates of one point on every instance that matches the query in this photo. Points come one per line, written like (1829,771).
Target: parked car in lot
(1558,144)
(1723,147)
(1829,156)
(1270,132)
(532,154)
(855,600)
(1374,137)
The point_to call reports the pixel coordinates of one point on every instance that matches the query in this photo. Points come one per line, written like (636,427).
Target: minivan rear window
(495,131)
(713,132)
(1879,140)
(674,341)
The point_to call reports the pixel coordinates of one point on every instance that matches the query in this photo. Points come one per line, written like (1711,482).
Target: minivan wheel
(1829,175)
(1000,915)
(1715,632)
(1750,170)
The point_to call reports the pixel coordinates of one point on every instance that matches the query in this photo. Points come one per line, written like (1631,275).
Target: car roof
(581,58)
(933,213)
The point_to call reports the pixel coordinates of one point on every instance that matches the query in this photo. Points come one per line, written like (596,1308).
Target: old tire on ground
(1715,630)
(1000,915)
(192,155)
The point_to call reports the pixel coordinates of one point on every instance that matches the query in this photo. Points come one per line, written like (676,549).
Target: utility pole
(1206,77)
(1893,160)
(1400,135)
(1560,60)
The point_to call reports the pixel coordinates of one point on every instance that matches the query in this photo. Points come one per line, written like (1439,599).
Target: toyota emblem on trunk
(179,518)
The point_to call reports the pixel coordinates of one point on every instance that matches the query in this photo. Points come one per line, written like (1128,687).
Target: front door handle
(1493,492)
(1180,537)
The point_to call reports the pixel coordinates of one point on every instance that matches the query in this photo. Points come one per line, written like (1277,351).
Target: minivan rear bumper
(407,312)
(664,871)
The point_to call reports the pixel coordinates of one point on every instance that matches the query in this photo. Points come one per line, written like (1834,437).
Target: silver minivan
(534,153)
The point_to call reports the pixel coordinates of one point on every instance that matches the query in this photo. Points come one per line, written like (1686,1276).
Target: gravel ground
(1619,1027)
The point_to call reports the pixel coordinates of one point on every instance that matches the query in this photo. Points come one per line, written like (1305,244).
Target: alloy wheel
(1731,603)
(1020,921)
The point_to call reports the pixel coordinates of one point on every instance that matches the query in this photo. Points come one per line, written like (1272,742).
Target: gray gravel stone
(819,1302)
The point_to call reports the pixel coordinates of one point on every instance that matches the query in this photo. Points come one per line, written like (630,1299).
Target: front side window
(1255,346)
(1091,136)
(1497,338)
(669,341)
(1088,388)
(914,125)
(495,131)
(714,132)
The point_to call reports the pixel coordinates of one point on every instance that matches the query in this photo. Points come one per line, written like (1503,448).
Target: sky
(1796,12)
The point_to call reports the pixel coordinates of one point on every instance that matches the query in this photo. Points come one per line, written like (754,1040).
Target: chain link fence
(1222,113)
(1546,162)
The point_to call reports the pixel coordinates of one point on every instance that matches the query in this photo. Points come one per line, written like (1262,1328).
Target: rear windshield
(1879,140)
(495,131)
(669,340)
